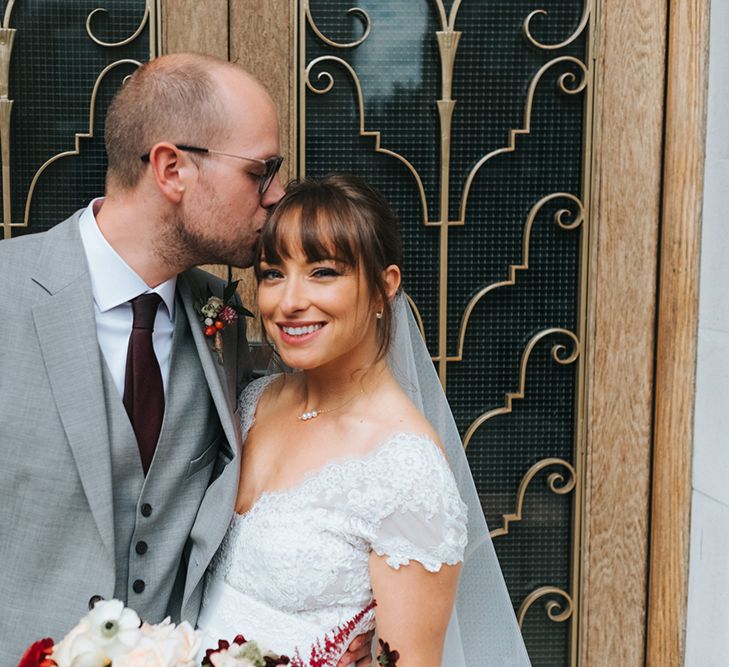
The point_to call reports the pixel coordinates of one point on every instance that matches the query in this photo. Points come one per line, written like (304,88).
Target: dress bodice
(297,561)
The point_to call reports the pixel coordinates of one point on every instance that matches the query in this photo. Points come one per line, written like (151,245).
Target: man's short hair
(173,98)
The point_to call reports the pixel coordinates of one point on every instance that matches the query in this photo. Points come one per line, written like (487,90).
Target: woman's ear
(391,279)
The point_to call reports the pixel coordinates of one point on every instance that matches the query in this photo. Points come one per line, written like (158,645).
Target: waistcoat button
(146,509)
(138,586)
(141,547)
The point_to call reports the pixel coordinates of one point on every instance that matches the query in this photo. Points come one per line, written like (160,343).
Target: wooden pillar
(260,37)
(683,180)
(200,26)
(625,214)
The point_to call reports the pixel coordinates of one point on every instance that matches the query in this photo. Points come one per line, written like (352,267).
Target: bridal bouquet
(112,635)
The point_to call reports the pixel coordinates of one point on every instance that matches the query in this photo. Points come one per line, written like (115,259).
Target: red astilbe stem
(327,654)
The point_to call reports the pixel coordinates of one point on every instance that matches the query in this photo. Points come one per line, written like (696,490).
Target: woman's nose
(294,297)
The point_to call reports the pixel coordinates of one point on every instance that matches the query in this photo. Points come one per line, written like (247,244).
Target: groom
(121,452)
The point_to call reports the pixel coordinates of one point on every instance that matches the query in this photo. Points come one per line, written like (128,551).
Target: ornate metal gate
(60,64)
(474,119)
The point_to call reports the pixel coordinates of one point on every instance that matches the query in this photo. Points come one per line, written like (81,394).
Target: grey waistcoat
(153,516)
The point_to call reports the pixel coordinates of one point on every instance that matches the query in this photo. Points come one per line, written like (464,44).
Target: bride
(350,515)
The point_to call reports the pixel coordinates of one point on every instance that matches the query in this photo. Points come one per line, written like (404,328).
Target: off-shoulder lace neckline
(248,414)
(313,475)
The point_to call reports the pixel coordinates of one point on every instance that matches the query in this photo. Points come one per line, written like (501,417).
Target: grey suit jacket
(56,510)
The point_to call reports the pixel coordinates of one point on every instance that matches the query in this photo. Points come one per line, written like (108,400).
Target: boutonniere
(217,313)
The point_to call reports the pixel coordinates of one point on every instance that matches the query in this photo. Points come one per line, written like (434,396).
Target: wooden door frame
(652,75)
(647,188)
(683,190)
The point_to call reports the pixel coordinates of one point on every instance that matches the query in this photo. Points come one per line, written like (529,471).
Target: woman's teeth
(301,331)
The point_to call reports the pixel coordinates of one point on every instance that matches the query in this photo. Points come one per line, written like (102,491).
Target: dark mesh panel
(53,70)
(399,70)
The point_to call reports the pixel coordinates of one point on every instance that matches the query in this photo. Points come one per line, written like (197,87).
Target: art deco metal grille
(473,117)
(60,63)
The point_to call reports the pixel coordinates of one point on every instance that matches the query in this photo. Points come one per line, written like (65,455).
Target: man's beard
(181,244)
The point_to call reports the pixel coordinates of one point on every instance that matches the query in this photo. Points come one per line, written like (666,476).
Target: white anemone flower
(113,627)
(78,649)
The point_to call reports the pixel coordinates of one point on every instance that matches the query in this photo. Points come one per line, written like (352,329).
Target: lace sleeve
(248,400)
(419,514)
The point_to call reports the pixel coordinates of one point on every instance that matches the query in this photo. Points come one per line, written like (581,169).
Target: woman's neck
(331,388)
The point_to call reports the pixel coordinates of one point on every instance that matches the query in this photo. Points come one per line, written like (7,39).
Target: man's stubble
(191,238)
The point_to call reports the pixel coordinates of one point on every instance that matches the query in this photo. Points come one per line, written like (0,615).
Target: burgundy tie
(144,397)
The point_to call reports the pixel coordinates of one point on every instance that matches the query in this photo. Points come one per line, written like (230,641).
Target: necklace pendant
(306,416)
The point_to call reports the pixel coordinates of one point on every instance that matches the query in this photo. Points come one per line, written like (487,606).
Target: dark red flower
(387,657)
(38,655)
(227,315)
(222,646)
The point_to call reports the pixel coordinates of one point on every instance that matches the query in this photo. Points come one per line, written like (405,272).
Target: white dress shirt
(114,283)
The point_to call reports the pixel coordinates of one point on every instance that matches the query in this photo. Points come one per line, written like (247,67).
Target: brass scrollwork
(559,218)
(556,611)
(8,12)
(574,79)
(123,42)
(449,23)
(360,102)
(558,354)
(7,36)
(568,83)
(552,47)
(555,481)
(78,136)
(360,13)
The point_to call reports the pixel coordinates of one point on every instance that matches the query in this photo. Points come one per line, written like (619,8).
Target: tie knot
(144,308)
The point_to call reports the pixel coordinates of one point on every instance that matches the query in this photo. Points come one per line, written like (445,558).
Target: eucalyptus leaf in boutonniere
(216,313)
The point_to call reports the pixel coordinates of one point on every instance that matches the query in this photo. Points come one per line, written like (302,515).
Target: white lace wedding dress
(295,566)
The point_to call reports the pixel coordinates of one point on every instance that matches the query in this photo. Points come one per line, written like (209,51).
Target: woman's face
(317,313)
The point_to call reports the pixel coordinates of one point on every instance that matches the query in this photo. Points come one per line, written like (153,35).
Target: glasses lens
(272,167)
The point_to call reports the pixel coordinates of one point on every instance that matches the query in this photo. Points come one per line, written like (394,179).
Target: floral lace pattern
(304,551)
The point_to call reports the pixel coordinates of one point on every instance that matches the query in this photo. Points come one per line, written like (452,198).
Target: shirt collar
(113,281)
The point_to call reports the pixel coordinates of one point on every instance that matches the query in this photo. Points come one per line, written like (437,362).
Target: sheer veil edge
(483,630)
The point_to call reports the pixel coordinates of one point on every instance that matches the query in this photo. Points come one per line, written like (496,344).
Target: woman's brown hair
(343,217)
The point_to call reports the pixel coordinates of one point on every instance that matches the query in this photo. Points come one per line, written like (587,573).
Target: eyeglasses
(270,166)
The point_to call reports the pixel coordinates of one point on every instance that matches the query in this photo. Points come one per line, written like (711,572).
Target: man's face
(222,214)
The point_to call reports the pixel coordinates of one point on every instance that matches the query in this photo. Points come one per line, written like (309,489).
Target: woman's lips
(298,333)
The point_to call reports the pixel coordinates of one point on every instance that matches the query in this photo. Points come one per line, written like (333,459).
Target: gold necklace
(313,414)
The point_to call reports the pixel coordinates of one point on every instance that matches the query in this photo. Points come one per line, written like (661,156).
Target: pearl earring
(378,315)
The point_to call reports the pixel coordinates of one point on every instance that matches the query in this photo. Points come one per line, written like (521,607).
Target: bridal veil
(483,631)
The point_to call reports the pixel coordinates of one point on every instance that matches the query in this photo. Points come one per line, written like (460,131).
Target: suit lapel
(66,329)
(215,511)
(220,377)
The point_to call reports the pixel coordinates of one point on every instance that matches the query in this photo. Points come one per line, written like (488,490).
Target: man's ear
(391,278)
(171,169)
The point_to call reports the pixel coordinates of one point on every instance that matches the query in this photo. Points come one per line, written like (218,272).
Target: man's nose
(274,193)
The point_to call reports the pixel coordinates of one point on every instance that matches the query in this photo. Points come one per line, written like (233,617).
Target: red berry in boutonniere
(216,313)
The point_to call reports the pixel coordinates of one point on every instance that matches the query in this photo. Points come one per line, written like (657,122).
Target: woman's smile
(299,333)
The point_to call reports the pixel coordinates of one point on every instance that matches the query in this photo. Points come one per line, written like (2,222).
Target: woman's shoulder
(257,393)
(396,415)
(253,391)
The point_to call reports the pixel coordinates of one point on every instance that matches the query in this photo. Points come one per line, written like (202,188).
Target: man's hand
(359,652)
